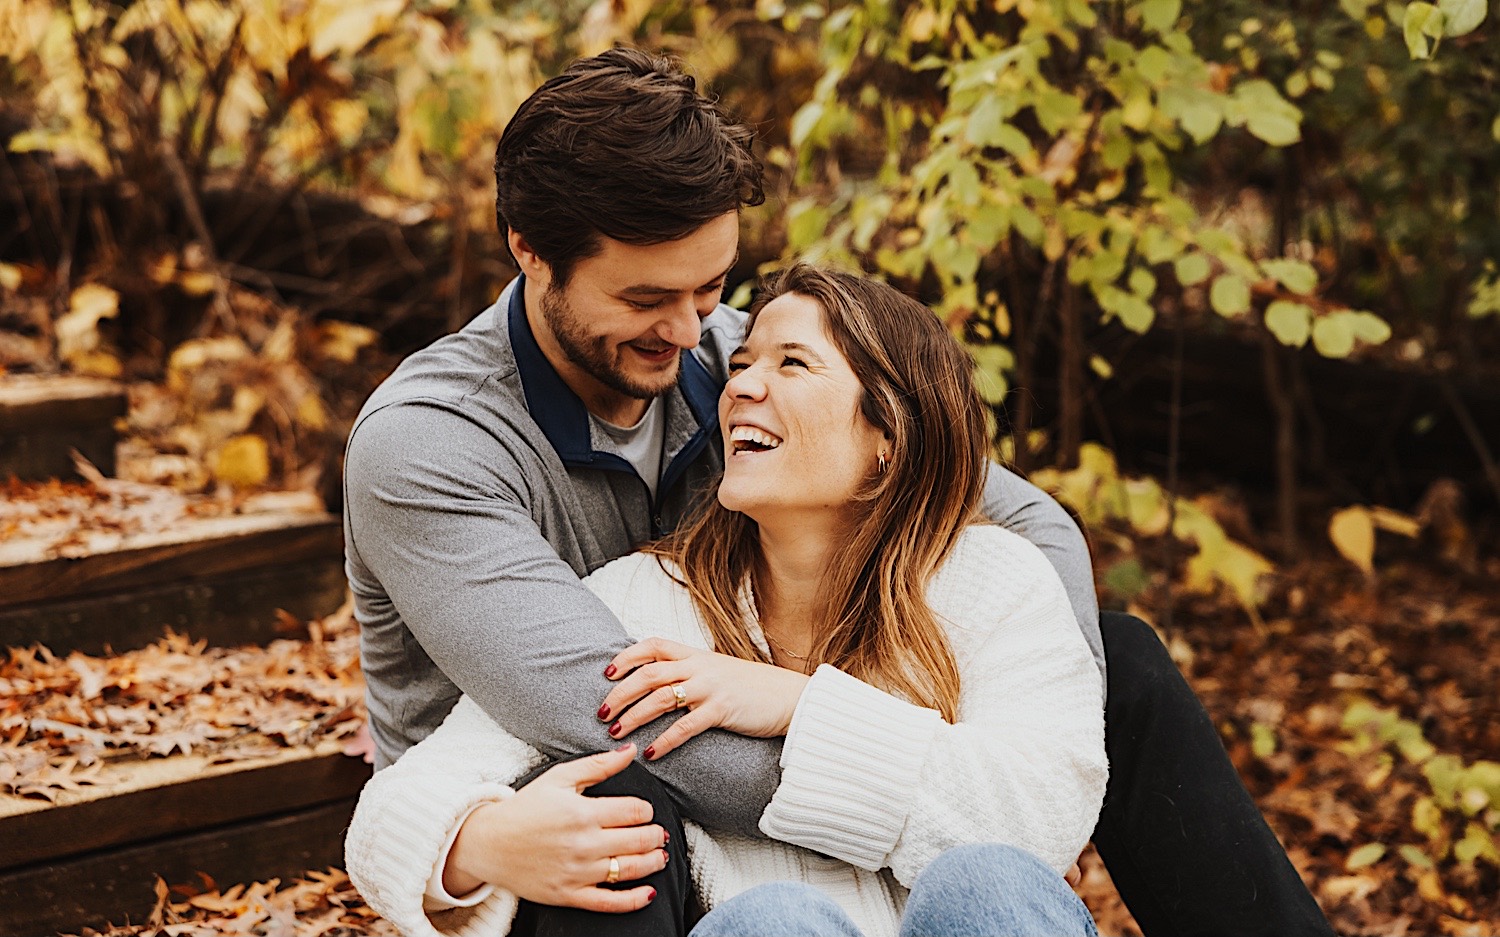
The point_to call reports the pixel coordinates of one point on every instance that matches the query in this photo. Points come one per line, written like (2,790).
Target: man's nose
(682,323)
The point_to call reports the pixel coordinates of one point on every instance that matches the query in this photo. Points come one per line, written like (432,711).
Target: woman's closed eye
(790,362)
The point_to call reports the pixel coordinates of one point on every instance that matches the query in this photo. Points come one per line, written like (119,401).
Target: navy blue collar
(560,413)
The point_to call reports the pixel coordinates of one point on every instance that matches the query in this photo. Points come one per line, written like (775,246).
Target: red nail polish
(614,729)
(603,712)
(608,673)
(650,752)
(666,837)
(652,896)
(666,856)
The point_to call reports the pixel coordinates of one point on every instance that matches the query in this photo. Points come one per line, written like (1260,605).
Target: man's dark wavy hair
(620,145)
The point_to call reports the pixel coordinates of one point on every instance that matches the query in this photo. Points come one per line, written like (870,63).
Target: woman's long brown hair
(918,385)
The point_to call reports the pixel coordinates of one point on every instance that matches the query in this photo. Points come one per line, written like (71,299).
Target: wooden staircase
(92,856)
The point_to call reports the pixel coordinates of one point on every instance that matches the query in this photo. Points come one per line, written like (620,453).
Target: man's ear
(535,268)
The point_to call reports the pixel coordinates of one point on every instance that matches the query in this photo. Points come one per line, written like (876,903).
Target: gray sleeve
(1019,506)
(439,512)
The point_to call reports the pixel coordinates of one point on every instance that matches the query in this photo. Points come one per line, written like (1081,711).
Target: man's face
(615,329)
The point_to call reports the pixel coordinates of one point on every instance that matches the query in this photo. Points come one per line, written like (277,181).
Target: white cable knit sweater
(873,788)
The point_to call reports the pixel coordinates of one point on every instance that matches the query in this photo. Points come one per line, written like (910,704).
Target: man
(575,419)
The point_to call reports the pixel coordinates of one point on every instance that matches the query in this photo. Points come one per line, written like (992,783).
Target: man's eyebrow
(654,290)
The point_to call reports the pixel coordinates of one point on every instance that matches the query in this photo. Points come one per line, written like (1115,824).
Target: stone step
(222,579)
(93,857)
(44,418)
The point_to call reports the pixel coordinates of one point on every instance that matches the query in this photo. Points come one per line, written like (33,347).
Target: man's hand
(720,691)
(552,845)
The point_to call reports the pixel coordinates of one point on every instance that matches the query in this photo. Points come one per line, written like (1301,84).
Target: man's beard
(594,353)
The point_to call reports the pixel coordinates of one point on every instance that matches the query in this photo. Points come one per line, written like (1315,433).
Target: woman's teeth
(751,439)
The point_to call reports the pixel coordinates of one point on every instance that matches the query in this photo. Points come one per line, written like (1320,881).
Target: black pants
(669,915)
(1186,846)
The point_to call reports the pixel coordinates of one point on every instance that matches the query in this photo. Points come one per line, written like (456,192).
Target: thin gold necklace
(776,645)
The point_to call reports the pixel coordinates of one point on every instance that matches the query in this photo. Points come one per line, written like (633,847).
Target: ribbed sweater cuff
(851,762)
(394,850)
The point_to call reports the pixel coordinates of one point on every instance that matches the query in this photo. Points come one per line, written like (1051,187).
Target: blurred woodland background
(1230,273)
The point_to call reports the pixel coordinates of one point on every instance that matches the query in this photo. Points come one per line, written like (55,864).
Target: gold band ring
(614,871)
(677,691)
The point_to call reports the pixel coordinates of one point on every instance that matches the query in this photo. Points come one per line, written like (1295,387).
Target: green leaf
(1427,818)
(1295,275)
(1477,843)
(1154,63)
(990,364)
(1415,27)
(1142,283)
(1160,15)
(1356,9)
(1191,269)
(805,121)
(1127,578)
(1368,327)
(1262,740)
(1415,856)
(1333,336)
(1335,333)
(1133,312)
(987,127)
(1461,17)
(806,223)
(741,297)
(1274,128)
(1230,295)
(1056,109)
(1290,322)
(1158,245)
(1366,855)
(1201,120)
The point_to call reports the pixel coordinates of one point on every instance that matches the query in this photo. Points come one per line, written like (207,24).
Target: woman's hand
(718,690)
(552,845)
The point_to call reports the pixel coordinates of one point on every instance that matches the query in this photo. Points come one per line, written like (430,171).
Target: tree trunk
(1284,406)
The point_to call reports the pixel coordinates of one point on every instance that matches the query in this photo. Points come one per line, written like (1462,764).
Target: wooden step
(93,857)
(44,418)
(216,578)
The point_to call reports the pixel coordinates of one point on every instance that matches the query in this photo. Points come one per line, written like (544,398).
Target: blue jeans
(968,891)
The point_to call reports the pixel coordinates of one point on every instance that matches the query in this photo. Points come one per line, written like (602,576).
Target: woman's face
(794,437)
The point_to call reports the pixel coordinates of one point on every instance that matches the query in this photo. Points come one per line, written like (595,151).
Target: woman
(925,670)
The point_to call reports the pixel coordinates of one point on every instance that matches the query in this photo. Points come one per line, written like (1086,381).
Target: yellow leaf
(246,406)
(346,26)
(1352,531)
(1430,886)
(10,277)
(197,284)
(1366,855)
(193,355)
(78,329)
(163,269)
(97,364)
(1395,522)
(311,413)
(243,461)
(342,341)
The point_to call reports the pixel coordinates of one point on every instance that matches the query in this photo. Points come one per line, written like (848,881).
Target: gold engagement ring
(677,691)
(614,871)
